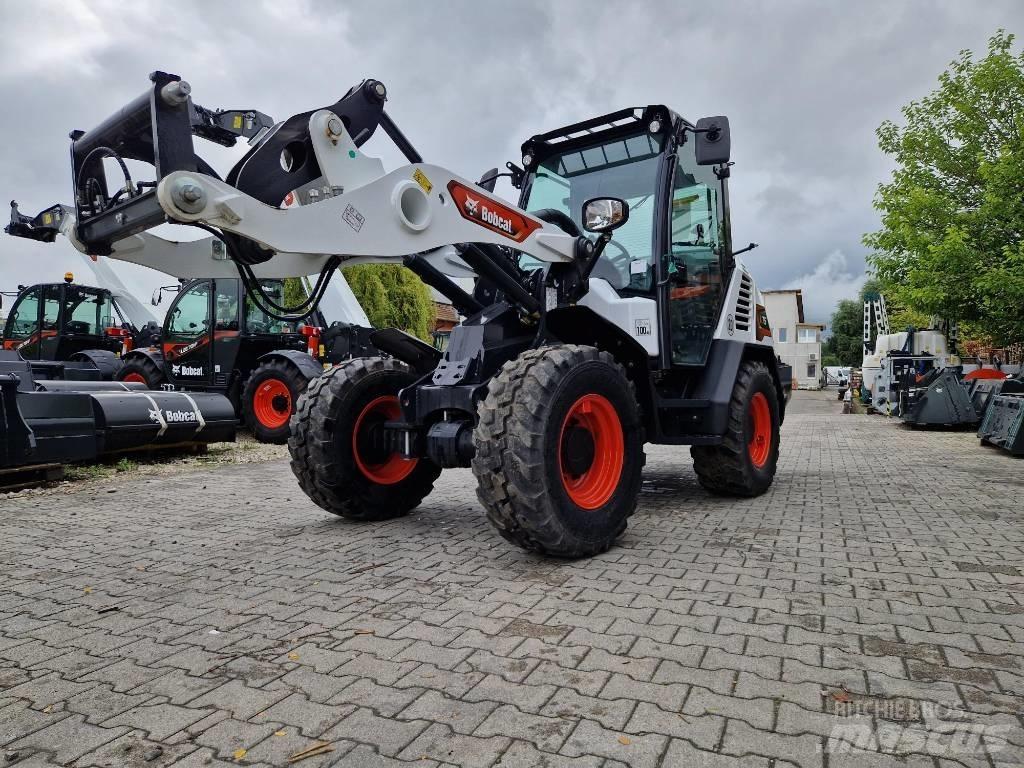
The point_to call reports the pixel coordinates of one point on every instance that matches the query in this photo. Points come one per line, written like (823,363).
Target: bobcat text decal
(491,214)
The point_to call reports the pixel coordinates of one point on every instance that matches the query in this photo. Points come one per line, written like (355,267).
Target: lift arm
(364,216)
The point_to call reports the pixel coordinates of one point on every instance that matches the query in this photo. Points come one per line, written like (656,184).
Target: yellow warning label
(238,122)
(47,218)
(422,180)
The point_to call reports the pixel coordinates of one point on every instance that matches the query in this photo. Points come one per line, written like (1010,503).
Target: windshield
(258,321)
(86,312)
(624,167)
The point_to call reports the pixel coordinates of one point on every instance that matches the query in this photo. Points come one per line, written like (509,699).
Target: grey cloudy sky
(804,83)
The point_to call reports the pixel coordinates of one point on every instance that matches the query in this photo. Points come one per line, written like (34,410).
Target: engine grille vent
(744,303)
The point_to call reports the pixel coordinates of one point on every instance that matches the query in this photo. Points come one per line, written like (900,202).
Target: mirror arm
(602,240)
(750,247)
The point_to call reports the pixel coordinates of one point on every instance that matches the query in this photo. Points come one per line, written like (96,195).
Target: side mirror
(155,298)
(603,214)
(713,142)
(488,180)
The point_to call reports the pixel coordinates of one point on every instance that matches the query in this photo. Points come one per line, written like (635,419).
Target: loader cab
(675,248)
(213,329)
(54,321)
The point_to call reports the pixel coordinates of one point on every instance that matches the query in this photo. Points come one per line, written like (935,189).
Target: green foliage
(392,297)
(846,342)
(124,464)
(294,291)
(952,215)
(830,361)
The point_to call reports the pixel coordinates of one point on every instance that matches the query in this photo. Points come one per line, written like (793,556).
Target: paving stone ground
(867,611)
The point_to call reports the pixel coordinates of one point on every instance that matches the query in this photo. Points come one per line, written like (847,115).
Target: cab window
(87,312)
(694,264)
(190,317)
(51,307)
(226,300)
(24,320)
(626,168)
(258,321)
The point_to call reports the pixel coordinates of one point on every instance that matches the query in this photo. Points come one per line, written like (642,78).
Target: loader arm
(359,213)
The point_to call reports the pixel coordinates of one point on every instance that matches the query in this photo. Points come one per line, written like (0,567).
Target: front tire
(559,451)
(141,370)
(744,463)
(269,397)
(338,453)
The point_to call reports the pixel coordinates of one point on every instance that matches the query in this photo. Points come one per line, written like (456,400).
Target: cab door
(23,324)
(227,337)
(696,242)
(50,334)
(188,332)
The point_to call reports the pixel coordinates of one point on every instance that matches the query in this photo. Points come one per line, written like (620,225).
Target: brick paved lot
(218,618)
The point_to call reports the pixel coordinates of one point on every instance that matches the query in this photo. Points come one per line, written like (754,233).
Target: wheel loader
(608,309)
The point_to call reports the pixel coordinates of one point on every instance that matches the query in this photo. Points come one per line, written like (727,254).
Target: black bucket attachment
(1003,424)
(128,421)
(940,400)
(54,421)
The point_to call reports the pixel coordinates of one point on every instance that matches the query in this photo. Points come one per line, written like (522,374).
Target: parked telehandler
(214,339)
(71,329)
(609,309)
(210,339)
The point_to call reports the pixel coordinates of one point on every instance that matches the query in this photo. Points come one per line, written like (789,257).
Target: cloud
(804,83)
(831,281)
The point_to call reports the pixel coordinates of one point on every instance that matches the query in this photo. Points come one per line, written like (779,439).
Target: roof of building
(799,300)
(445,312)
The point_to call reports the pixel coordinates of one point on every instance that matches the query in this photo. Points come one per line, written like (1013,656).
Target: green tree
(392,297)
(847,326)
(830,360)
(952,215)
(294,291)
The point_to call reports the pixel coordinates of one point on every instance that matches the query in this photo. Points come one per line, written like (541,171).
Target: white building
(798,343)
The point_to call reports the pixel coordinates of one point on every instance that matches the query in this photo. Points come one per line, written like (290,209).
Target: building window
(812,370)
(807,335)
(782,334)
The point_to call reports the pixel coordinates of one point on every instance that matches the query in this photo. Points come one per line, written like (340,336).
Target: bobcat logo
(471,205)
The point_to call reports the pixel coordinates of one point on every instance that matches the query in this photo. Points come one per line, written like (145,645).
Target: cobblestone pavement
(218,618)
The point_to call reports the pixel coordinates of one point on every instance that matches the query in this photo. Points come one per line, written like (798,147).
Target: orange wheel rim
(591,451)
(760,417)
(134,378)
(272,403)
(391,467)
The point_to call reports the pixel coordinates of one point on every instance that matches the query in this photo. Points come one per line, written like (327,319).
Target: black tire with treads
(141,367)
(518,440)
(728,469)
(321,443)
(274,369)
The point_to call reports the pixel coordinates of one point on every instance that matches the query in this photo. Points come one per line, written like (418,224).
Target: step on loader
(608,307)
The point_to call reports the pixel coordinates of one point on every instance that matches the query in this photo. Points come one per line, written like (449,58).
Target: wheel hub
(376,458)
(371,441)
(591,451)
(577,450)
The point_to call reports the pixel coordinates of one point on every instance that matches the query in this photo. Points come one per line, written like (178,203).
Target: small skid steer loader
(608,308)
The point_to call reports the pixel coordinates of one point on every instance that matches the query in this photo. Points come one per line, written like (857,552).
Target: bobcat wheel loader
(608,309)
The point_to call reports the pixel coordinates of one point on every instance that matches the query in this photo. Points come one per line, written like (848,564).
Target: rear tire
(269,397)
(559,451)
(745,462)
(141,370)
(335,456)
